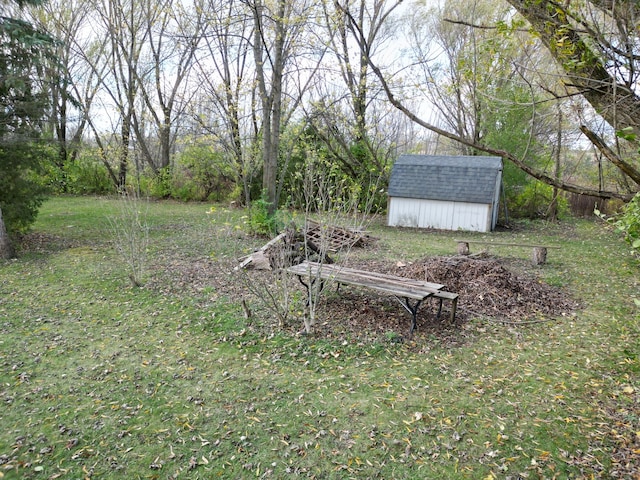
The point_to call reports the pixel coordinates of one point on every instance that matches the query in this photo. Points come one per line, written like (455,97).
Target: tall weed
(130,233)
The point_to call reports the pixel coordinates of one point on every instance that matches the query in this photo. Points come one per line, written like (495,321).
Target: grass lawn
(100,379)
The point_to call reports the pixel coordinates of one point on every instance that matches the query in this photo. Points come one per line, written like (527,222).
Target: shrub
(156,185)
(130,232)
(208,173)
(88,176)
(534,201)
(627,222)
(261,222)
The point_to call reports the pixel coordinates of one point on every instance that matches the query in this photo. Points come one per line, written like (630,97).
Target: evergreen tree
(24,101)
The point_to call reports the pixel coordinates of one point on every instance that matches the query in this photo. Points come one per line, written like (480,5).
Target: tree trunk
(618,104)
(6,251)
(123,163)
(272,154)
(553,208)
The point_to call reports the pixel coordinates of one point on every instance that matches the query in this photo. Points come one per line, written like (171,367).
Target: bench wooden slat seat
(402,288)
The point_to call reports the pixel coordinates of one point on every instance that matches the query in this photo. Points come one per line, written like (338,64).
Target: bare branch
(614,158)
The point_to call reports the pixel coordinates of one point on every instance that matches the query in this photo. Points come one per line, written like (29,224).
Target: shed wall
(442,215)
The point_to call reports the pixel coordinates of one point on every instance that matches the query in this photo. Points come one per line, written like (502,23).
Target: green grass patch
(100,379)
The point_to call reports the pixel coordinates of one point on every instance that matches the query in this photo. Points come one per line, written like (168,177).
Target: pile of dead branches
(487,287)
(294,245)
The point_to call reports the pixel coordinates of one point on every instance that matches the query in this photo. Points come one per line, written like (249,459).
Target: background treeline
(246,99)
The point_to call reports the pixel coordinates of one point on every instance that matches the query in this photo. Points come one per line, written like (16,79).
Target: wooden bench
(539,251)
(404,289)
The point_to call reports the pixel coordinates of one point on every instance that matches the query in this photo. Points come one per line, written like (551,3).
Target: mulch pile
(487,289)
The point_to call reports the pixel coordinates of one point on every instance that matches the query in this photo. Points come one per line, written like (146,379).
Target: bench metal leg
(412,309)
(454,306)
(309,286)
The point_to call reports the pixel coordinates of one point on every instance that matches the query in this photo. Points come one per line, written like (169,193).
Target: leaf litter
(488,287)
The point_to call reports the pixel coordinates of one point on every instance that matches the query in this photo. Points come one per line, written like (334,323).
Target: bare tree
(124,25)
(65,21)
(345,111)
(473,141)
(226,104)
(172,34)
(354,129)
(278,32)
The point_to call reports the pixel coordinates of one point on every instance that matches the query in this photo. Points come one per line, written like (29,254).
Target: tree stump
(463,248)
(539,255)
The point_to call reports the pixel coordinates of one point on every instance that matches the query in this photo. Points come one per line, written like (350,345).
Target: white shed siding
(442,215)
(445,192)
(437,214)
(404,212)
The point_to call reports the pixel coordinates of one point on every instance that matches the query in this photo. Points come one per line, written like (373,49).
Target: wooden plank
(445,295)
(501,244)
(413,281)
(259,254)
(386,277)
(406,290)
(398,286)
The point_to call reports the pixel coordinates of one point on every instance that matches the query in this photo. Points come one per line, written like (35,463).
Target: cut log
(463,248)
(539,255)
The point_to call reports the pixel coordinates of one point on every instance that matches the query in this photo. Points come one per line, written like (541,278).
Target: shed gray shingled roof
(436,177)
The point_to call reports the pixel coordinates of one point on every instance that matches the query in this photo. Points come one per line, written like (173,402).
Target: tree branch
(612,156)
(475,25)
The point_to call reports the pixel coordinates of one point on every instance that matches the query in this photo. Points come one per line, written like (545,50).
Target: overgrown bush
(88,176)
(357,178)
(156,185)
(261,221)
(199,173)
(534,201)
(210,174)
(627,222)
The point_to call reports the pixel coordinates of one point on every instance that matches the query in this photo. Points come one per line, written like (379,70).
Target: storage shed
(445,192)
